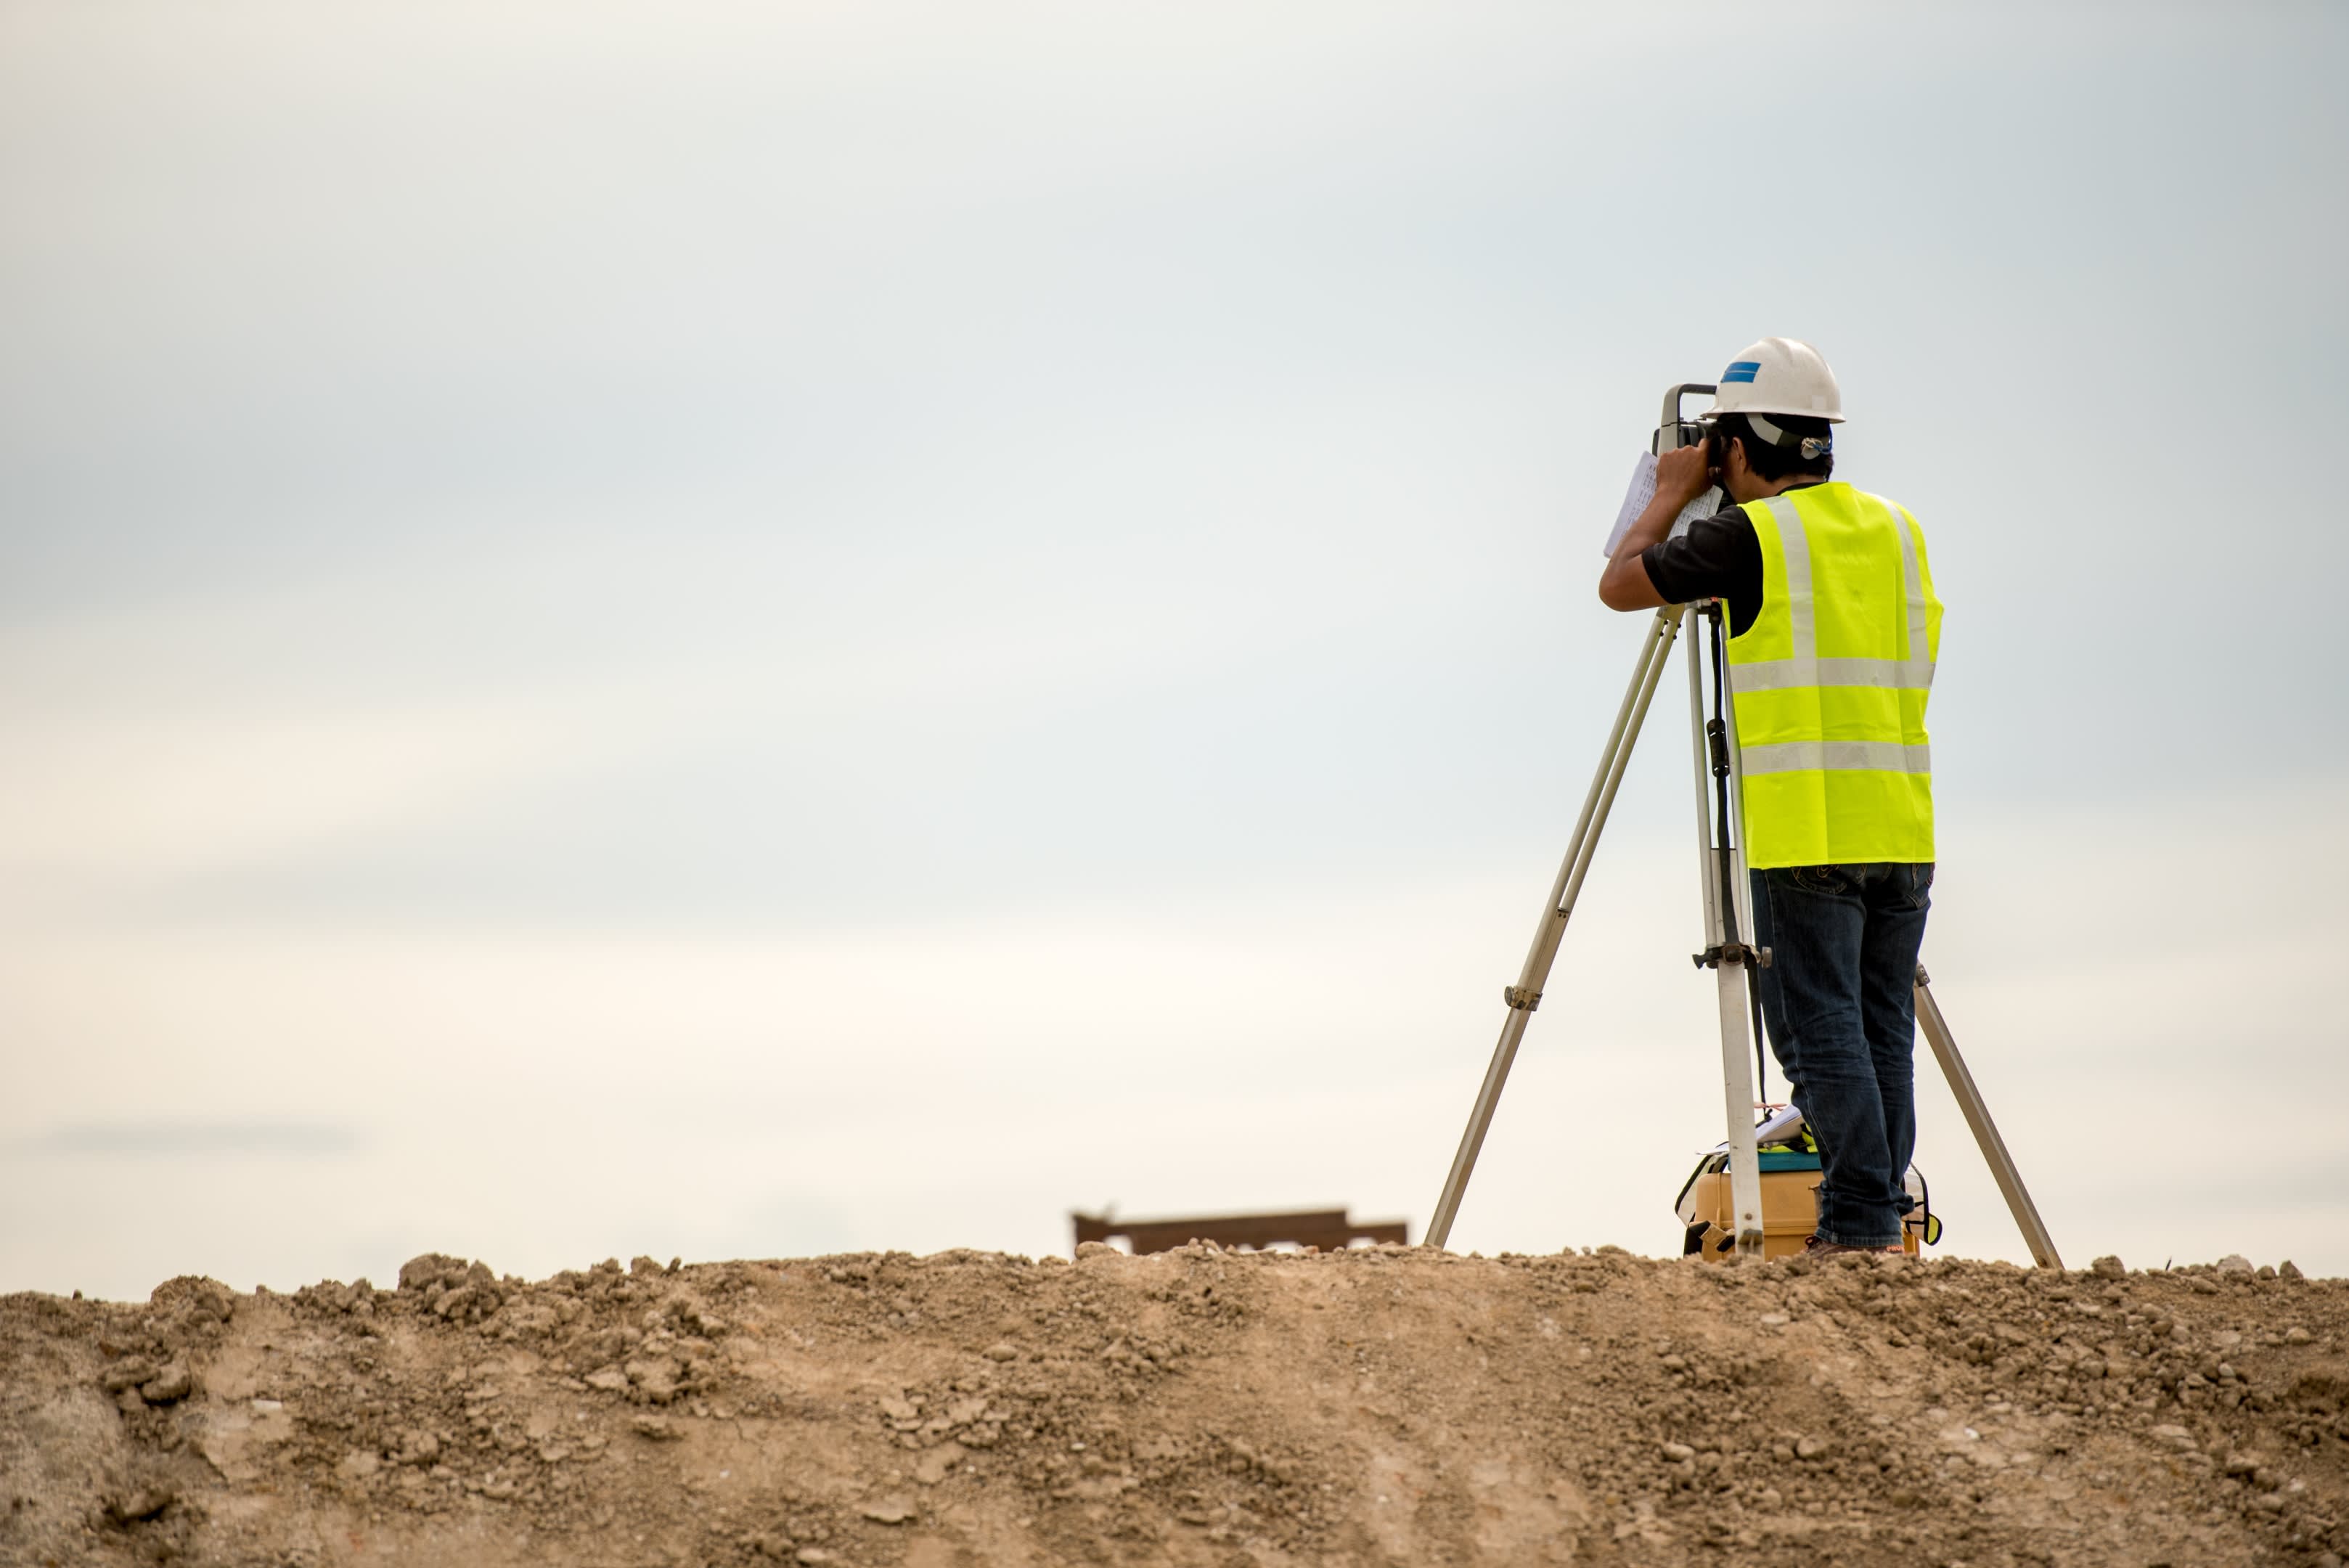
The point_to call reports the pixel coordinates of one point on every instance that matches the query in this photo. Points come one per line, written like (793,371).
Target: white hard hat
(1780,375)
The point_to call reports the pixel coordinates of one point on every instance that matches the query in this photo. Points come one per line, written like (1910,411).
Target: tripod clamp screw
(1519,999)
(1731,952)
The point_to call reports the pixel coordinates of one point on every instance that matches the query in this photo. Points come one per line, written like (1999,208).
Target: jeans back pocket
(1830,880)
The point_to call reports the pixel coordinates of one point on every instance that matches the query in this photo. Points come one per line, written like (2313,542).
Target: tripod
(1726,892)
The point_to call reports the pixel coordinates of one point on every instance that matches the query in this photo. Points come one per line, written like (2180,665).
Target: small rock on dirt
(168,1386)
(888,1510)
(2109,1266)
(655,1378)
(128,1375)
(144,1503)
(419,1271)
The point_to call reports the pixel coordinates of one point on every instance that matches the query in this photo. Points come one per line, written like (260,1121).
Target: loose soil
(1194,1408)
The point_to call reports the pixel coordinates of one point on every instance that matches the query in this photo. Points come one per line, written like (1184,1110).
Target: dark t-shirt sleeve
(1717,558)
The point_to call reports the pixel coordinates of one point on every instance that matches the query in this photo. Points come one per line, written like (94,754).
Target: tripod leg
(1526,995)
(1737,1099)
(1985,1131)
(1718,871)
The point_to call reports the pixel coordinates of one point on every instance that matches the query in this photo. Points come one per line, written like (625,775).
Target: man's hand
(1685,473)
(1681,476)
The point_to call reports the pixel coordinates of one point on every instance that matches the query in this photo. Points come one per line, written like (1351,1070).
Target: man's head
(1755,452)
(1770,418)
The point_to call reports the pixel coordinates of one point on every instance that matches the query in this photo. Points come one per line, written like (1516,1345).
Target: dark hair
(1770,461)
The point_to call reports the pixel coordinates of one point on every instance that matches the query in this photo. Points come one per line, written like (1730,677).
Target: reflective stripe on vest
(1796,756)
(1833,747)
(1914,673)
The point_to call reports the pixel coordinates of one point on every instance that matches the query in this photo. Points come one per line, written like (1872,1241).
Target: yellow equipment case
(1790,1211)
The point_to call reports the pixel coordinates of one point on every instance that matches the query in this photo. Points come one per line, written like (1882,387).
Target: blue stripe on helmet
(1739,373)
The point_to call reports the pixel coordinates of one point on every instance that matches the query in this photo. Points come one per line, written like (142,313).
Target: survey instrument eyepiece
(1677,430)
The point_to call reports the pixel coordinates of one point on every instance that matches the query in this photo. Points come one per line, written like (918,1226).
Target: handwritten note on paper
(1642,491)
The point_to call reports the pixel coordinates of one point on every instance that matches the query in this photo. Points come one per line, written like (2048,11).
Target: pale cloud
(99,808)
(539,1098)
(182,1140)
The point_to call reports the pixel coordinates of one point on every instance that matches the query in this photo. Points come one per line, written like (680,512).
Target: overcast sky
(744,629)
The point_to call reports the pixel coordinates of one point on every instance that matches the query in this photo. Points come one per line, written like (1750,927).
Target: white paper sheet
(1642,491)
(1776,1127)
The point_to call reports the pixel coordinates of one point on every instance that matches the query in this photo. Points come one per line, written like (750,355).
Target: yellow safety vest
(1830,682)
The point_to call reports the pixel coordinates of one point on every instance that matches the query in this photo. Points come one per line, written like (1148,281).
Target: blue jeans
(1839,1001)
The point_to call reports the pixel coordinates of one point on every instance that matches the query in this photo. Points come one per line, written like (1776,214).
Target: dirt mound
(1193,1407)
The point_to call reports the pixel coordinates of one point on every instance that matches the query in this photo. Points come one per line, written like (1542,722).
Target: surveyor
(1834,630)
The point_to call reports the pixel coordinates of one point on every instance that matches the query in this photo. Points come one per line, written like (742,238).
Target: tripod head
(1676,430)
